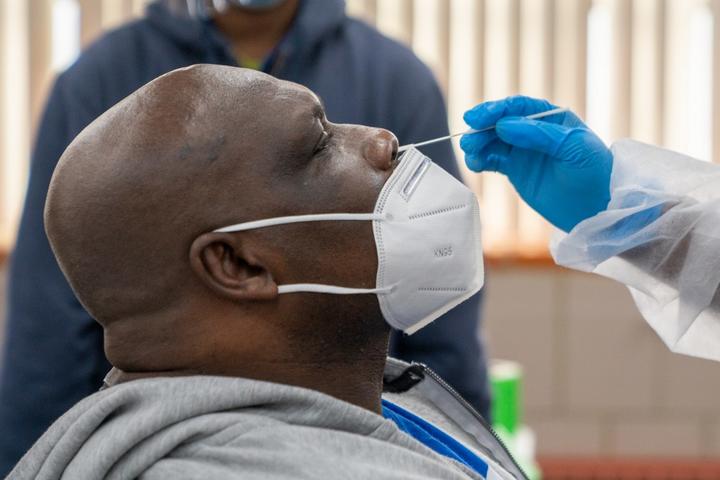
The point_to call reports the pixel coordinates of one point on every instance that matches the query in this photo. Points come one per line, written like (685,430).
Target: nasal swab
(534,116)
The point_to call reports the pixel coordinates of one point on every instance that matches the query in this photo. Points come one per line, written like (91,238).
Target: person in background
(53,353)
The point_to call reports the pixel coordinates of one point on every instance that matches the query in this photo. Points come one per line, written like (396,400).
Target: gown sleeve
(660,236)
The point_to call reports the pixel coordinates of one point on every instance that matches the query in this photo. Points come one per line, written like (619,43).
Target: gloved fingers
(475,142)
(487,114)
(536,135)
(475,162)
(493,158)
(521,106)
(485,163)
(583,148)
(567,119)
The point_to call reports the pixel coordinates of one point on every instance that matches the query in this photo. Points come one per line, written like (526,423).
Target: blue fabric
(432,437)
(53,352)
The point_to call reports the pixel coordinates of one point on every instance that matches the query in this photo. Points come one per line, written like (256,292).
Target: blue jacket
(53,352)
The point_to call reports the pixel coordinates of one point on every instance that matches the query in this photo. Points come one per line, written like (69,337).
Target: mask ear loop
(320,217)
(320,288)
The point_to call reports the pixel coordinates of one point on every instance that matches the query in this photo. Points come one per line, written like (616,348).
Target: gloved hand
(556,164)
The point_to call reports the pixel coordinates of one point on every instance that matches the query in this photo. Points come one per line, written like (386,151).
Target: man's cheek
(358,188)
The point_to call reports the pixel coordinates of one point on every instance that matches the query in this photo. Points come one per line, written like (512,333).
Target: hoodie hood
(315,20)
(226,428)
(173,19)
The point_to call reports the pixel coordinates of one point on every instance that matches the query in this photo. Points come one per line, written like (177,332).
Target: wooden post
(715,5)
(465,71)
(570,54)
(431,36)
(648,56)
(14,115)
(39,40)
(620,88)
(90,20)
(395,19)
(499,200)
(535,79)
(363,9)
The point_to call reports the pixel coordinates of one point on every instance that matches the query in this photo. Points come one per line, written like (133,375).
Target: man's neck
(356,382)
(253,35)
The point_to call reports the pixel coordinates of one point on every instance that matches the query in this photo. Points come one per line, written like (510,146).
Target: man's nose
(380,149)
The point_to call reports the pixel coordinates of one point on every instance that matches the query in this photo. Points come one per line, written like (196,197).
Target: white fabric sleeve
(660,236)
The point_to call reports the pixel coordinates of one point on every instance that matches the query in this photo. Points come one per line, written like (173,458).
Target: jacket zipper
(477,416)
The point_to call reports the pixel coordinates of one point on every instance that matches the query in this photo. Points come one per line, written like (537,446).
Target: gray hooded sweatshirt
(208,427)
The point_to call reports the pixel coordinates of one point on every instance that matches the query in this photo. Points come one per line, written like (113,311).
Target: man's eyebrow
(318,108)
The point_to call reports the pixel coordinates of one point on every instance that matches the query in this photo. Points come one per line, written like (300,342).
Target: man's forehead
(301,95)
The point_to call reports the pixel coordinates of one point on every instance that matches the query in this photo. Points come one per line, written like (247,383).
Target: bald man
(215,374)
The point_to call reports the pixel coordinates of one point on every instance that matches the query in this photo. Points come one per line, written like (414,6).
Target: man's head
(135,198)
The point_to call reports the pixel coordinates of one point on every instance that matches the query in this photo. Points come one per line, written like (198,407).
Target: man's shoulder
(222,427)
(263,447)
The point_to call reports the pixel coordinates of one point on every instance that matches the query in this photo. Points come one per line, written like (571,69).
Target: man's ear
(225,265)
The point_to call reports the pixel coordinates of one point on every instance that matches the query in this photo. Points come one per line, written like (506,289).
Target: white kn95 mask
(427,236)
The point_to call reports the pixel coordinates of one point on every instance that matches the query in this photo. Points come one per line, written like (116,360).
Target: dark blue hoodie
(53,353)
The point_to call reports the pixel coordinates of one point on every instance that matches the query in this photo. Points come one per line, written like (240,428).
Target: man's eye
(323,142)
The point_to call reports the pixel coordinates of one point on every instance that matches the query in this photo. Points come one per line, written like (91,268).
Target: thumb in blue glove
(557,165)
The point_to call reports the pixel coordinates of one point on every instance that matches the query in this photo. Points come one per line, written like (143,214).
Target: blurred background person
(53,352)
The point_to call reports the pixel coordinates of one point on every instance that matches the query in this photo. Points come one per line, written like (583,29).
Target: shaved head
(133,188)
(135,199)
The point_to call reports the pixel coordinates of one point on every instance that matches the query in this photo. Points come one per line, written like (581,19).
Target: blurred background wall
(598,381)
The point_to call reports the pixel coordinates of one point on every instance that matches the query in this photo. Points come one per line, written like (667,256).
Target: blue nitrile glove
(556,164)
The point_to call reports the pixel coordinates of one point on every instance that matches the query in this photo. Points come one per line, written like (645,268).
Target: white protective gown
(660,236)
